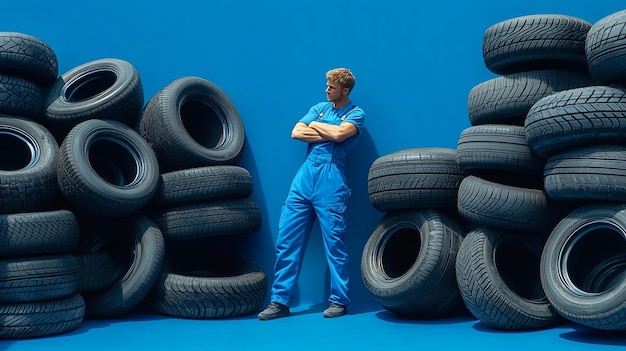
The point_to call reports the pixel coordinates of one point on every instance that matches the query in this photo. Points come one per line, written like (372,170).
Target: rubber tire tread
(605,46)
(534,42)
(596,172)
(212,289)
(503,303)
(604,310)
(497,147)
(502,206)
(38,233)
(41,318)
(507,99)
(577,117)
(411,287)
(200,184)
(416,178)
(85,92)
(221,217)
(87,193)
(31,187)
(20,97)
(37,278)
(132,281)
(28,57)
(180,123)
(96,271)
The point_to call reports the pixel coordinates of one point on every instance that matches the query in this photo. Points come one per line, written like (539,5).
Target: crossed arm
(318,131)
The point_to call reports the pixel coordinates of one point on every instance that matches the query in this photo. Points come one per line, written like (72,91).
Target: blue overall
(318,191)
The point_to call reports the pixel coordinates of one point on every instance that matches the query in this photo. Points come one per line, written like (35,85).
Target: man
(319,191)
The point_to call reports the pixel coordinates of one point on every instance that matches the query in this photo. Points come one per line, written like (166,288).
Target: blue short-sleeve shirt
(325,113)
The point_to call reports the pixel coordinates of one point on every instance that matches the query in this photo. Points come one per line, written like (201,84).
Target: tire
(137,249)
(38,233)
(507,99)
(508,207)
(605,46)
(210,288)
(587,173)
(192,123)
(536,42)
(408,263)
(577,117)
(21,98)
(96,271)
(209,219)
(106,170)
(28,153)
(27,279)
(498,277)
(200,184)
(582,266)
(497,147)
(41,318)
(102,89)
(28,57)
(416,178)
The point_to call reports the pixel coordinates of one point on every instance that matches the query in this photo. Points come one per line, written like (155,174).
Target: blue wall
(415,63)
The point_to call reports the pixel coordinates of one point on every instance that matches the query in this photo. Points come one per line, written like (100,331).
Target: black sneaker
(273,311)
(335,310)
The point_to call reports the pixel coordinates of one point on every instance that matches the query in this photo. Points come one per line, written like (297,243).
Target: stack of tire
(408,261)
(40,275)
(536,57)
(80,189)
(581,134)
(197,135)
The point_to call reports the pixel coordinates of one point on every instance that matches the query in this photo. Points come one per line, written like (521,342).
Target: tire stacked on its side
(408,261)
(580,133)
(198,136)
(537,57)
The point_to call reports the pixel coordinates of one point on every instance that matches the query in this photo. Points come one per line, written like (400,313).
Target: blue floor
(306,329)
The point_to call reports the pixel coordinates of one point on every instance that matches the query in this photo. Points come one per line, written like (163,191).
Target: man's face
(334,91)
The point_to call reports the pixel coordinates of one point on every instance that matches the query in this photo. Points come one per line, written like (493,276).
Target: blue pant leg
(331,197)
(296,220)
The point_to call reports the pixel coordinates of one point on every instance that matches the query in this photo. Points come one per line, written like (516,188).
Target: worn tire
(137,249)
(497,147)
(38,233)
(102,89)
(41,318)
(38,278)
(192,123)
(408,263)
(209,287)
(200,184)
(498,276)
(220,217)
(493,204)
(507,99)
(605,46)
(577,117)
(28,153)
(418,178)
(582,266)
(535,42)
(27,56)
(106,170)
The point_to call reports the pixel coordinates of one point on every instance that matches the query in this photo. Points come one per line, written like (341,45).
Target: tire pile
(527,214)
(98,192)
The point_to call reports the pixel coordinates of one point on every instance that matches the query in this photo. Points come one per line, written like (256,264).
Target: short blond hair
(343,76)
